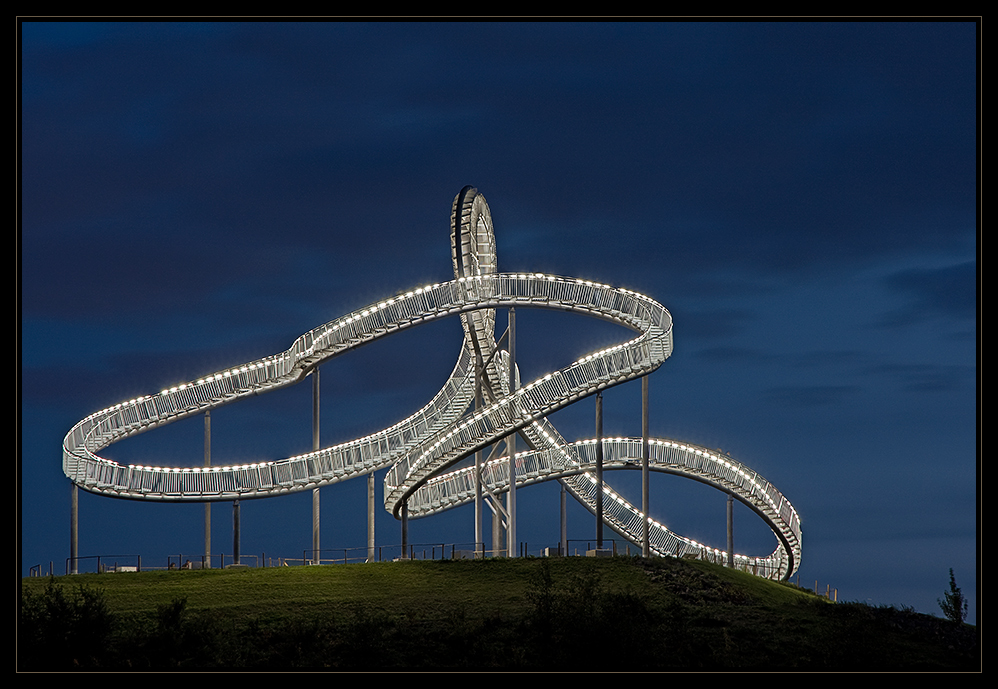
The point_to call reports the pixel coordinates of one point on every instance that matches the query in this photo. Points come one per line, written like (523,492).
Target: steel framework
(422,451)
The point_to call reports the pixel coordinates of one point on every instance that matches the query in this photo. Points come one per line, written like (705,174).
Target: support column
(316,555)
(370,517)
(478,460)
(498,547)
(731,530)
(235,532)
(74,528)
(599,469)
(645,540)
(207,505)
(511,442)
(564,520)
(405,530)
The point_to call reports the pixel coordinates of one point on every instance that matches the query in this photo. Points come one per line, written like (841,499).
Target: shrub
(60,631)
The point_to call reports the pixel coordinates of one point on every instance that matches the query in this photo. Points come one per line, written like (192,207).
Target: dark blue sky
(802,197)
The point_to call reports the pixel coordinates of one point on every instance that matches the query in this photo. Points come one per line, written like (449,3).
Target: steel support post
(235,532)
(564,520)
(315,446)
(731,530)
(498,547)
(599,469)
(645,478)
(370,517)
(511,442)
(74,528)
(478,458)
(405,529)
(207,505)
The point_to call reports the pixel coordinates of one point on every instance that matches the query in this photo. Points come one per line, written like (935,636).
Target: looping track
(423,449)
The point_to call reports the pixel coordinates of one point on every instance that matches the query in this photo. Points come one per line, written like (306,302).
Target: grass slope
(577,614)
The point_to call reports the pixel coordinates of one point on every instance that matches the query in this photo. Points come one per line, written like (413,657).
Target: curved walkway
(422,449)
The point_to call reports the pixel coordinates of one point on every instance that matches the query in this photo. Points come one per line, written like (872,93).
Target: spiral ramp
(423,451)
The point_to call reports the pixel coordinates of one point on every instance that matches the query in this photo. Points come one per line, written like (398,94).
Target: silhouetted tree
(954,605)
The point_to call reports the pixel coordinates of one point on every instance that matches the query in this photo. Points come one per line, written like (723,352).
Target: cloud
(811,395)
(946,292)
(928,378)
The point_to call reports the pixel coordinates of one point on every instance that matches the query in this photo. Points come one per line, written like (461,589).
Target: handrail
(421,450)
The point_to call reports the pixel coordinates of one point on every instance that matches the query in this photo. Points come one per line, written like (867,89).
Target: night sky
(802,197)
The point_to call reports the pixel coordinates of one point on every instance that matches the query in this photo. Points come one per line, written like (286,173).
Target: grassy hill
(576,614)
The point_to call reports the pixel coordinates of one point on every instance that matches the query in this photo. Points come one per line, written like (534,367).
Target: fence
(414,551)
(830,593)
(36,570)
(102,564)
(331,556)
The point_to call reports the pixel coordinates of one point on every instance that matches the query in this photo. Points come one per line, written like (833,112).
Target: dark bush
(62,631)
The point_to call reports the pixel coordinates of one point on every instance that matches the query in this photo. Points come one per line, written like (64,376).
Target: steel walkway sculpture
(423,450)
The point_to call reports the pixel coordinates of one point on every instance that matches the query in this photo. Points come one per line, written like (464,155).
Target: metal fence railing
(103,564)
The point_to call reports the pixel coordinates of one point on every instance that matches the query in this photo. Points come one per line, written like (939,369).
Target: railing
(105,563)
(133,563)
(685,459)
(386,553)
(402,444)
(421,449)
